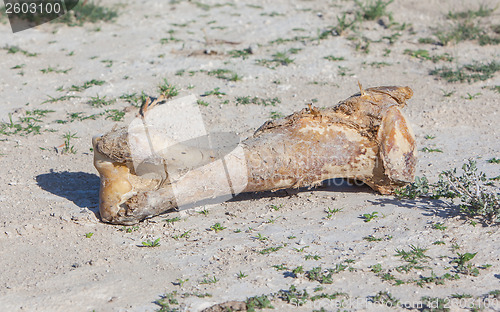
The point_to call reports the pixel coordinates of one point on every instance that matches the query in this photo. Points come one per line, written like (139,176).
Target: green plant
(208,280)
(115,115)
(202,103)
(376,268)
(241,275)
(14,49)
(330,212)
(276,115)
(217,227)
(439,226)
(470,188)
(172,220)
(431,150)
(215,92)
(269,250)
(89,234)
(67,147)
(385,298)
(166,300)
(87,85)
(55,70)
(87,11)
(372,9)
(470,72)
(494,160)
(258,302)
(429,137)
(97,101)
(167,90)
(369,216)
(150,243)
(334,58)
(261,237)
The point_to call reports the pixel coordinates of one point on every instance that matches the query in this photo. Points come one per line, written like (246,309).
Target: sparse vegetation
(87,12)
(150,243)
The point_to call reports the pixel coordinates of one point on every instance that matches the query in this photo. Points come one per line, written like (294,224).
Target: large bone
(365,137)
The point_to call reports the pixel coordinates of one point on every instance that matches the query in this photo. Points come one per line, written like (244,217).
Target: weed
(172,220)
(372,10)
(269,250)
(167,90)
(166,300)
(258,302)
(376,268)
(115,115)
(150,243)
(109,63)
(294,296)
(67,147)
(424,55)
(324,276)
(313,257)
(438,243)
(207,280)
(89,234)
(369,216)
(429,137)
(15,49)
(244,100)
(330,212)
(97,101)
(435,304)
(275,207)
(431,150)
(272,220)
(55,70)
(202,103)
(470,187)
(59,99)
(300,249)
(240,53)
(241,275)
(494,160)
(439,226)
(385,298)
(215,92)
(130,229)
(87,85)
(334,58)
(260,237)
(413,256)
(279,58)
(413,190)
(87,11)
(463,266)
(183,235)
(204,212)
(472,96)
(280,267)
(481,12)
(224,74)
(217,227)
(372,238)
(470,72)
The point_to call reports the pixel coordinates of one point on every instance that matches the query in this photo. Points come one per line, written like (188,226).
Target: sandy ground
(49,199)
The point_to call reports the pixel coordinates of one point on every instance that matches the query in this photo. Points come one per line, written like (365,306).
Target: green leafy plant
(217,227)
(150,243)
(68,148)
(369,216)
(87,11)
(470,72)
(167,90)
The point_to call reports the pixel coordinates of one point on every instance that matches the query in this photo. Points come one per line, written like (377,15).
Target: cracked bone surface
(145,172)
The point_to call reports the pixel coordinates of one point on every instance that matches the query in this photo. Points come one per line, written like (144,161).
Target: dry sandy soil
(49,199)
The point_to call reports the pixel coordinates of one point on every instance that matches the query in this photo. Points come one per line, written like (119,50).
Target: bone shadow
(332,185)
(81,188)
